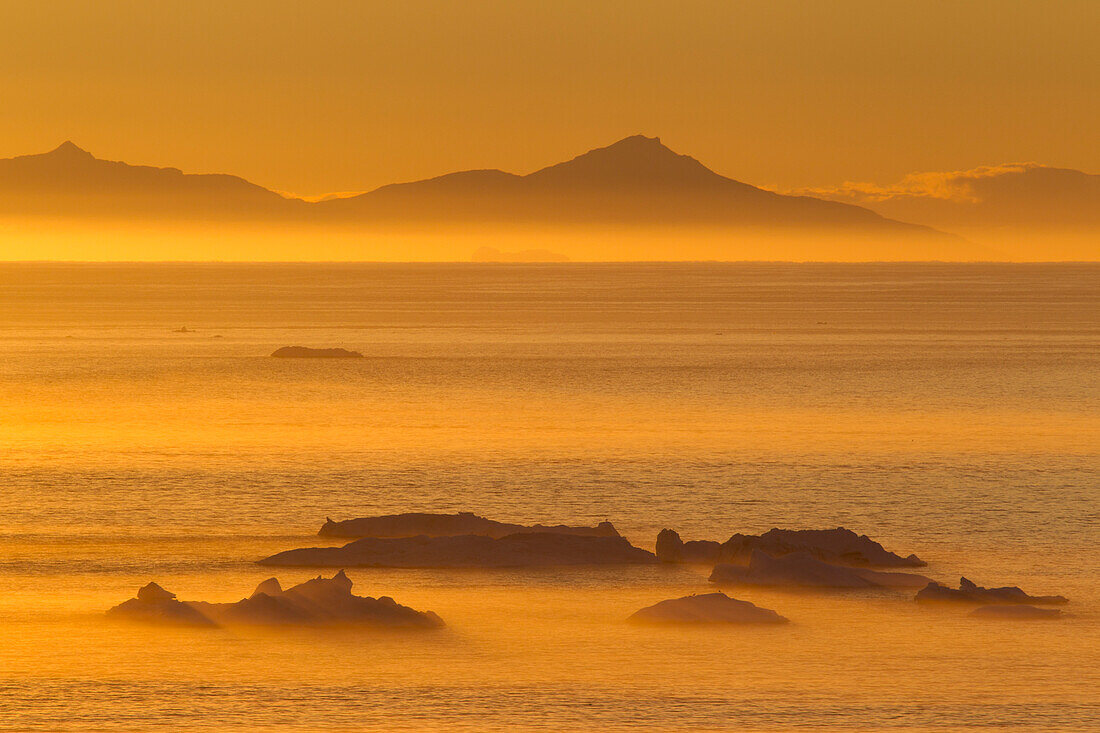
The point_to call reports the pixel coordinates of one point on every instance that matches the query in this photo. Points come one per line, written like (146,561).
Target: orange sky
(342,95)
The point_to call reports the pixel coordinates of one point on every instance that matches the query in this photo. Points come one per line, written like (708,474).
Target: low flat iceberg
(708,608)
(413,524)
(1017,613)
(838,546)
(970,592)
(802,570)
(305,352)
(468,551)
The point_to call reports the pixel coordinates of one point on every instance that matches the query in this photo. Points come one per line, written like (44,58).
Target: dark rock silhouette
(670,548)
(838,546)
(802,570)
(157,606)
(317,602)
(469,551)
(968,592)
(709,608)
(1017,613)
(272,587)
(304,352)
(412,524)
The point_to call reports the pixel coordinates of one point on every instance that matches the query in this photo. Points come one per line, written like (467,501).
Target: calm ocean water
(947,410)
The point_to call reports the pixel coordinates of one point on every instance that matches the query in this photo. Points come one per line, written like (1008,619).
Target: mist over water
(948,410)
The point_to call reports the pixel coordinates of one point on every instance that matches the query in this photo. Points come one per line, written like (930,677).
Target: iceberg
(803,570)
(468,551)
(317,602)
(413,524)
(1017,613)
(304,352)
(709,608)
(969,592)
(838,546)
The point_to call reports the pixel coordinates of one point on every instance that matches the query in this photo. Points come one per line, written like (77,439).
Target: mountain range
(637,188)
(71,182)
(635,181)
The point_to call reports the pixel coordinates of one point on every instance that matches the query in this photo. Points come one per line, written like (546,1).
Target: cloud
(955,186)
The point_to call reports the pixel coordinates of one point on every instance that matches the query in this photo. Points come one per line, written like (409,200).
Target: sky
(317,97)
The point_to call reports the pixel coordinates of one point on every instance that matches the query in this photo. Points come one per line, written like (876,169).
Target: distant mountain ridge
(635,181)
(69,181)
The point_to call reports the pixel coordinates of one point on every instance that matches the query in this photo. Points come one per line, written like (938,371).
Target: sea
(947,410)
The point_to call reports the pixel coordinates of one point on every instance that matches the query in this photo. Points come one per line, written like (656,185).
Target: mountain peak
(69,149)
(632,161)
(638,141)
(635,147)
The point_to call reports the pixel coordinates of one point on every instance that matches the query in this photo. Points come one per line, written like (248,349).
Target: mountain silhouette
(635,181)
(632,200)
(633,162)
(70,181)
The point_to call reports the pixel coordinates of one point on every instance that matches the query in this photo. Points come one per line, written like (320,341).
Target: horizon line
(551,263)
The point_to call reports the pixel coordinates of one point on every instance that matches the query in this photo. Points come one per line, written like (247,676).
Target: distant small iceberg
(708,608)
(802,570)
(525,549)
(1017,613)
(838,546)
(413,524)
(183,329)
(304,352)
(969,592)
(317,602)
(492,254)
